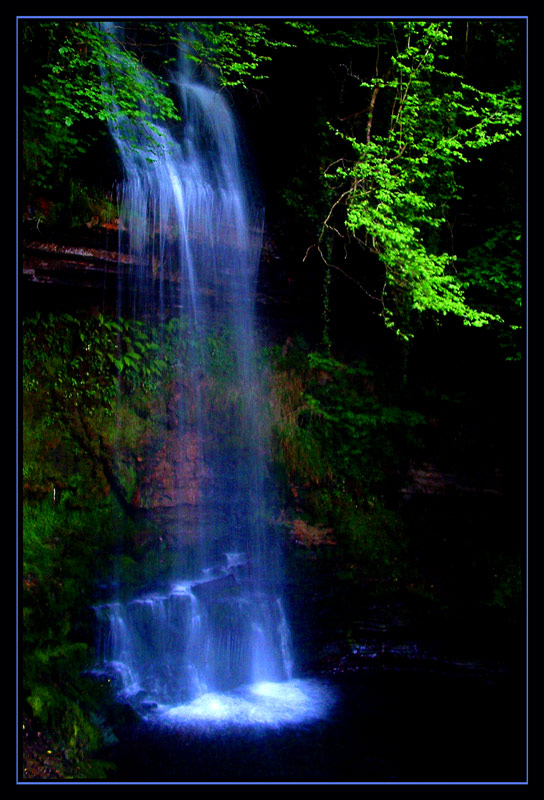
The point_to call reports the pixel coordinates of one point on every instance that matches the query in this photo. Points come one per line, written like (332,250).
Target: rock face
(53,263)
(157,461)
(429,479)
(163,467)
(174,475)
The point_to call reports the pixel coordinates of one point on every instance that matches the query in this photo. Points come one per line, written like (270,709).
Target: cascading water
(214,644)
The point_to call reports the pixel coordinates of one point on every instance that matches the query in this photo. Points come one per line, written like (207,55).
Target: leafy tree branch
(423,121)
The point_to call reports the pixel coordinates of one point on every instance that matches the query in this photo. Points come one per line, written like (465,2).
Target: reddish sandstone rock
(173,476)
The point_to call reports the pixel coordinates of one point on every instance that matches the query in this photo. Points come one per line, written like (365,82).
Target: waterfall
(194,237)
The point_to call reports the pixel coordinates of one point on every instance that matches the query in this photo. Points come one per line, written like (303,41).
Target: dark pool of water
(386,726)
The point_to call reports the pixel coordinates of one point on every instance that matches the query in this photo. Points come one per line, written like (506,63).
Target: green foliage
(78,77)
(58,584)
(99,397)
(354,424)
(493,273)
(235,51)
(89,206)
(88,360)
(343,446)
(423,122)
(299,449)
(67,549)
(371,537)
(90,384)
(356,35)
(334,431)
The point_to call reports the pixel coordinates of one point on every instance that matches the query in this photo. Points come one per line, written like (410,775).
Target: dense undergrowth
(78,530)
(345,450)
(56,629)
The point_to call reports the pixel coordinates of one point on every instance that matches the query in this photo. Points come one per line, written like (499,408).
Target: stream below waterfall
(395,726)
(407,702)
